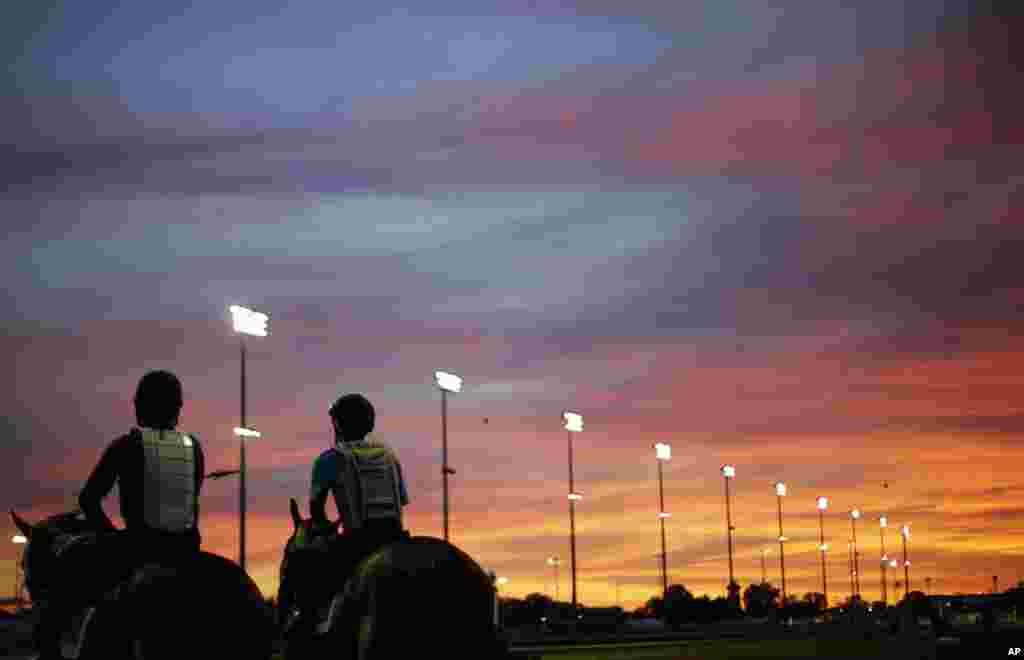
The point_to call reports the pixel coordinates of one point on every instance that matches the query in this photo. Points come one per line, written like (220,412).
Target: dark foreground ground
(710,643)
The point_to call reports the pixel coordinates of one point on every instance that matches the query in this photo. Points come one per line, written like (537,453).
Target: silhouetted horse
(419,596)
(196,605)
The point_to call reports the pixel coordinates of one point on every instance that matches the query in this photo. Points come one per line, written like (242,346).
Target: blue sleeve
(402,492)
(324,470)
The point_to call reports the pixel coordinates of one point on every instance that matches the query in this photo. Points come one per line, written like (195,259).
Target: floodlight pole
(728,524)
(764,572)
(661,519)
(554,562)
(885,560)
(572,526)
(821,537)
(444,457)
(906,568)
(782,551)
(855,564)
(849,569)
(241,463)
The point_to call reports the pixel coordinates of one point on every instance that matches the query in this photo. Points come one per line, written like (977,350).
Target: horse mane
(69,522)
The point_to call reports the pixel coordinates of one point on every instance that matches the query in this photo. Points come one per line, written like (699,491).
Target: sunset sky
(785,236)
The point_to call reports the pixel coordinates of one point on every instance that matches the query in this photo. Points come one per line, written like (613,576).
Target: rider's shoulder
(327,455)
(135,435)
(374,442)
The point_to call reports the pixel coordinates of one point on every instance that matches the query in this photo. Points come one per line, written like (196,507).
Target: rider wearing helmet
(159,474)
(158,470)
(366,480)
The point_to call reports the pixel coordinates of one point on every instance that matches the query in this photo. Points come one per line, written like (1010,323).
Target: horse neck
(51,529)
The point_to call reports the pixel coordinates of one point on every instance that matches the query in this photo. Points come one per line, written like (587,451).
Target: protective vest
(169,480)
(376,495)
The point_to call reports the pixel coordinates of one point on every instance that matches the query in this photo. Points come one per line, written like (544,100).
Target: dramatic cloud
(783,237)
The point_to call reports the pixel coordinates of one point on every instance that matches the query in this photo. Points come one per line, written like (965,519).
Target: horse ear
(296,518)
(23,526)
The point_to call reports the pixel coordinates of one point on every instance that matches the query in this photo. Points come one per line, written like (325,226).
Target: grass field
(724,649)
(721,649)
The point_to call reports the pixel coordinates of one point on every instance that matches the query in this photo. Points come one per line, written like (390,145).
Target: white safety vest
(169,480)
(376,495)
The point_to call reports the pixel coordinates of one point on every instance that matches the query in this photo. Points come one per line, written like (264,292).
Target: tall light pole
(447,383)
(729,472)
(18,539)
(822,505)
(780,492)
(245,322)
(573,424)
(243,433)
(663,452)
(883,522)
(854,516)
(555,562)
(894,564)
(849,568)
(906,562)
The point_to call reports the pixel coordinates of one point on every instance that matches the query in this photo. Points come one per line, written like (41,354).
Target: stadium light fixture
(248,322)
(573,421)
(448,382)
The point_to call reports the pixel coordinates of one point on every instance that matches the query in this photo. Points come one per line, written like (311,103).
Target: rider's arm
(319,488)
(100,483)
(317,506)
(200,472)
(402,492)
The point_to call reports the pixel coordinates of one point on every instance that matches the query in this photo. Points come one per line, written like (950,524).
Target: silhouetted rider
(159,474)
(366,480)
(158,471)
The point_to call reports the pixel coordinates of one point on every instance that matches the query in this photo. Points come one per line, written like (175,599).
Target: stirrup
(334,611)
(76,650)
(324,626)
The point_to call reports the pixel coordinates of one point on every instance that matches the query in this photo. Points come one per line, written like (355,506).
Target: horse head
(376,593)
(304,535)
(44,543)
(304,538)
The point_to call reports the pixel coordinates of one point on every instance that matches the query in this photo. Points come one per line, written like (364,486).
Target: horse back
(389,623)
(202,571)
(428,565)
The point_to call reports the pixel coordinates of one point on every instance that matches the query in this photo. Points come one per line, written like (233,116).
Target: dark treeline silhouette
(541,610)
(759,600)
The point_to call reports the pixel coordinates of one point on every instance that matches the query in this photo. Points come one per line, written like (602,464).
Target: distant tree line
(679,607)
(759,600)
(540,609)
